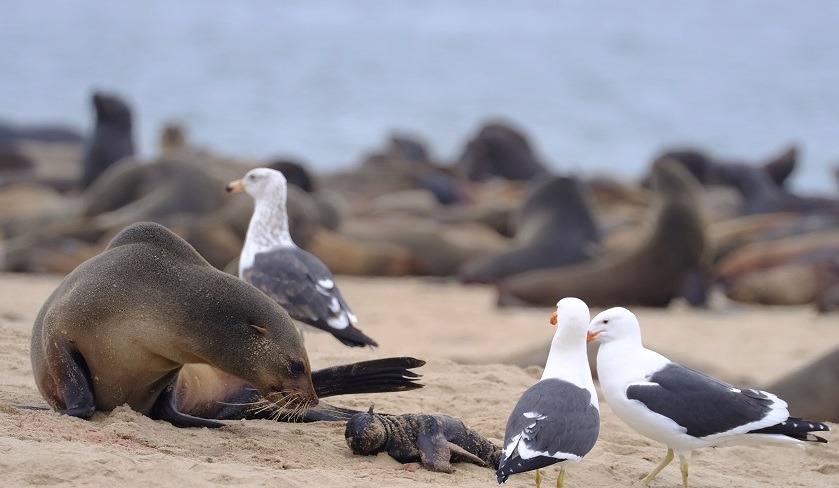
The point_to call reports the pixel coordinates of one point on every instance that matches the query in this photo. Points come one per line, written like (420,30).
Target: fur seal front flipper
(165,409)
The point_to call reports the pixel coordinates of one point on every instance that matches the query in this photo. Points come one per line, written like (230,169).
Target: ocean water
(599,86)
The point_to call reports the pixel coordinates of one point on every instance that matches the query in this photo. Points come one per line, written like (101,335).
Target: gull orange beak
(591,335)
(234,186)
(553,318)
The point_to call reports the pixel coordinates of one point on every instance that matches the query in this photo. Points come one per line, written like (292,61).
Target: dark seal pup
(121,326)
(434,440)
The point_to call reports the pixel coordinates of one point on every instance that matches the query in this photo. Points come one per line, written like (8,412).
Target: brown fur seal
(792,283)
(813,391)
(791,270)
(828,300)
(112,137)
(712,171)
(761,187)
(172,139)
(498,150)
(437,249)
(651,275)
(555,228)
(347,256)
(121,326)
(135,191)
(810,247)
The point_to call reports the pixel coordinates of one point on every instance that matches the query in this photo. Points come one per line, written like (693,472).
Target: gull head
(260,183)
(571,317)
(613,324)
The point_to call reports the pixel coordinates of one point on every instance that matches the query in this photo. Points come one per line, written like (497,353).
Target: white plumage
(680,407)
(557,419)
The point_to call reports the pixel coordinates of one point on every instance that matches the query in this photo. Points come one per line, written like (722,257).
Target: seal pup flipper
(164,409)
(455,449)
(374,376)
(433,447)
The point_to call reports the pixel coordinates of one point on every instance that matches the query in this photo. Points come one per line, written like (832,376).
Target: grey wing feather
(701,404)
(306,289)
(571,423)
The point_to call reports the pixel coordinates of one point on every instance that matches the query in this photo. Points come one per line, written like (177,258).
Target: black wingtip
(797,429)
(355,339)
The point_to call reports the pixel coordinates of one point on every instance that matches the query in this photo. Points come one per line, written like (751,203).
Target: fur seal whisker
(257,410)
(261,401)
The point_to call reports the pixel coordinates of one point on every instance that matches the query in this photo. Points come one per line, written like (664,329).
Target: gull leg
(560,478)
(683,464)
(665,462)
(538,479)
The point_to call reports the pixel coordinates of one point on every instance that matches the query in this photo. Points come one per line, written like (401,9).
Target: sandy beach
(465,340)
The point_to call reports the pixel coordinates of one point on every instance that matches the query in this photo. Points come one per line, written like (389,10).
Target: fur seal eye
(296,367)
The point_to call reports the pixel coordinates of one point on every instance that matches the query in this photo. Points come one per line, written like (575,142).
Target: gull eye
(605,321)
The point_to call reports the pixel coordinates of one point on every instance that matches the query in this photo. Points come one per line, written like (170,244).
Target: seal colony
(120,328)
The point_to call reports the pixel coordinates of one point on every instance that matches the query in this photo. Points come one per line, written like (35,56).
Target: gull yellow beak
(591,335)
(553,318)
(234,186)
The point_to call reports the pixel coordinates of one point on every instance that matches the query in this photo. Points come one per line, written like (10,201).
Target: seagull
(680,407)
(557,419)
(293,277)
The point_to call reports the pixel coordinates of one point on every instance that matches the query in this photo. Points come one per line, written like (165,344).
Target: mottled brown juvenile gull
(296,279)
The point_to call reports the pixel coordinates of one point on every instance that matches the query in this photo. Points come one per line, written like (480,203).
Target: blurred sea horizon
(598,87)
